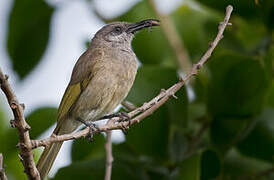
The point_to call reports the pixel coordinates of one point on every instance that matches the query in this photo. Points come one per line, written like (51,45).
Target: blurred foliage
(233,94)
(28,33)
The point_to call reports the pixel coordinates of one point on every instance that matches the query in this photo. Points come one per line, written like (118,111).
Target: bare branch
(147,108)
(2,170)
(173,39)
(23,128)
(109,157)
(128,105)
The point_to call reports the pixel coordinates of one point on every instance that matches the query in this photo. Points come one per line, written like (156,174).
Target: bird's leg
(91,126)
(123,117)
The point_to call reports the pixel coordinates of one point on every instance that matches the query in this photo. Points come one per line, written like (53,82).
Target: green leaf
(149,82)
(237,166)
(96,170)
(238,86)
(259,143)
(178,145)
(82,170)
(41,119)
(262,10)
(28,33)
(270,98)
(227,132)
(210,165)
(189,169)
(155,130)
(82,149)
(191,32)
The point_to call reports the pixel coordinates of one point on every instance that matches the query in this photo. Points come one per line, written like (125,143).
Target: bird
(101,79)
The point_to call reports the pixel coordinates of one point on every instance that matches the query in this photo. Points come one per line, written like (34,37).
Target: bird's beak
(132,28)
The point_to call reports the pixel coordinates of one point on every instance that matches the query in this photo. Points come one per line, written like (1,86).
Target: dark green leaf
(210,165)
(41,119)
(262,10)
(189,169)
(191,31)
(238,167)
(28,33)
(270,98)
(155,129)
(82,149)
(178,146)
(95,169)
(149,82)
(82,170)
(238,86)
(150,137)
(227,132)
(259,143)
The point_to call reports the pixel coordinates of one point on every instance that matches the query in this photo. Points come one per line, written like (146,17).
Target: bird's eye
(118,29)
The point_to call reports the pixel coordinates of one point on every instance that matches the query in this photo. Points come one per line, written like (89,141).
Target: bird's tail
(47,158)
(49,154)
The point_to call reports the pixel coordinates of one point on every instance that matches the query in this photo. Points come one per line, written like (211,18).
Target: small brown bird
(101,79)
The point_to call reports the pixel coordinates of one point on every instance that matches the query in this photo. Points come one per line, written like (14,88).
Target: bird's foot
(123,117)
(91,126)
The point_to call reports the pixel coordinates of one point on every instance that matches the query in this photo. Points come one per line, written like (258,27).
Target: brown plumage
(101,79)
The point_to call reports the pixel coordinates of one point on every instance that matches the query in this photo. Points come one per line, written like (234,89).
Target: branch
(109,157)
(173,39)
(2,170)
(24,145)
(196,139)
(128,105)
(146,109)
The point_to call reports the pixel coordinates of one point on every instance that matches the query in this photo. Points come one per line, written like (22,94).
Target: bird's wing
(81,76)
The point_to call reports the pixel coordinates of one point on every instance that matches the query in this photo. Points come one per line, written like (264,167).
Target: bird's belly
(104,93)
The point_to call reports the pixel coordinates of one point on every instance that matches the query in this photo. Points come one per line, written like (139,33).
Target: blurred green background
(220,127)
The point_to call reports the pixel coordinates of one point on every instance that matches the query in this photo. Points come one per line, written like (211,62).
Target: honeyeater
(100,80)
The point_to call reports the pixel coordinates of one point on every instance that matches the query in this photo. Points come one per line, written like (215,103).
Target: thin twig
(173,39)
(196,139)
(23,128)
(128,105)
(2,169)
(109,157)
(147,108)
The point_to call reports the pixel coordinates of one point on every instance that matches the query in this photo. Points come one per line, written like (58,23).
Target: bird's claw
(91,126)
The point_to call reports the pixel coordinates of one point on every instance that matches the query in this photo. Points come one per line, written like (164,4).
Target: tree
(225,132)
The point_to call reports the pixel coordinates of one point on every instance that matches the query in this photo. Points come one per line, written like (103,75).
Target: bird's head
(122,32)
